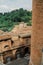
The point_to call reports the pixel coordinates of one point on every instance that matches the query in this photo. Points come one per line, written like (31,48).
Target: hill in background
(9,19)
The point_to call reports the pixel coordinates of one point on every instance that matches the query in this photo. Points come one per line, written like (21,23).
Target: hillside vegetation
(9,19)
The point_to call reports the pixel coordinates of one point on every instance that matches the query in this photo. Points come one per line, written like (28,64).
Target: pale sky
(8,5)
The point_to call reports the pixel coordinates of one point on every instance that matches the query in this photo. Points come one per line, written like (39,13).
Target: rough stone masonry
(36,57)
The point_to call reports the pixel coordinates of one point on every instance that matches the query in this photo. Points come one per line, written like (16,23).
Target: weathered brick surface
(10,42)
(37,32)
(22,28)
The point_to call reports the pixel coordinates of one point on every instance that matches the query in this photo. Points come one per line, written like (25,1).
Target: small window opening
(6,46)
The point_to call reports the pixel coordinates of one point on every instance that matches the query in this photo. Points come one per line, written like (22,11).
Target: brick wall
(37,33)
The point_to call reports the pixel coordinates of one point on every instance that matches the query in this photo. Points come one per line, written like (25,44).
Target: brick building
(14,45)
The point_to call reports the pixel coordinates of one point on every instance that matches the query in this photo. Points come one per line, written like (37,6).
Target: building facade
(13,46)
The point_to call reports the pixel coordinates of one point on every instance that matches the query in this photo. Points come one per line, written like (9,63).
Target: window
(12,42)
(6,46)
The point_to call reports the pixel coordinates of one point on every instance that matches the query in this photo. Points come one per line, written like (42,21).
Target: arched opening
(8,59)
(27,51)
(7,56)
(6,46)
(17,53)
(22,52)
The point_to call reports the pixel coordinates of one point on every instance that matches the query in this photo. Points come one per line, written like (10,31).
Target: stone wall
(10,42)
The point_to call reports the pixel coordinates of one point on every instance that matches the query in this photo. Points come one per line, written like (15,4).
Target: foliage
(9,19)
